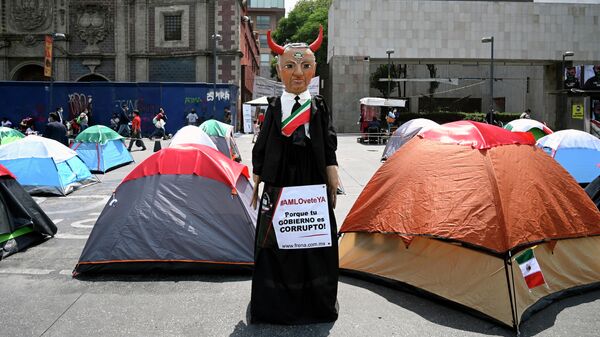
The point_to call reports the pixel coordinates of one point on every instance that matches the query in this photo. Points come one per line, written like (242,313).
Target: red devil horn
(277,49)
(317,44)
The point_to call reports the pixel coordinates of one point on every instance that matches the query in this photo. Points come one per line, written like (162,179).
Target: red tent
(185,208)
(449,219)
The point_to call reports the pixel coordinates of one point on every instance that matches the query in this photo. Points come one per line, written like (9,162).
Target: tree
(302,25)
(382,72)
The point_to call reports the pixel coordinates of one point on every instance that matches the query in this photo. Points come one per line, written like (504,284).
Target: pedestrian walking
(136,132)
(124,121)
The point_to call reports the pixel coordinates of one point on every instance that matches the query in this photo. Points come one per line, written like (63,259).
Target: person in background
(6,122)
(390,119)
(374,123)
(159,126)
(226,116)
(526,114)
(114,121)
(192,117)
(82,120)
(26,126)
(255,130)
(124,121)
(56,130)
(491,118)
(136,132)
(59,114)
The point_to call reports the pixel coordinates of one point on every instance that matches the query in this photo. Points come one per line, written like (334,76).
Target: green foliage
(302,25)
(382,72)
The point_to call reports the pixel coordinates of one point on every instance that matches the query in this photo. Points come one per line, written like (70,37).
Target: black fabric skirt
(293,286)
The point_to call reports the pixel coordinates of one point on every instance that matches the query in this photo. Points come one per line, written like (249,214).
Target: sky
(289,5)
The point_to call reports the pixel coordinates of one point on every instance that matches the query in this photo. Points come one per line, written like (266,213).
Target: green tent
(8,135)
(215,128)
(97,134)
(222,135)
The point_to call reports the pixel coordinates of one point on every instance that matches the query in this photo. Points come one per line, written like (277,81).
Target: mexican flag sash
(297,118)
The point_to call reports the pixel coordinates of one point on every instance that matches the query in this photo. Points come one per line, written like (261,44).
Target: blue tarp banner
(19,100)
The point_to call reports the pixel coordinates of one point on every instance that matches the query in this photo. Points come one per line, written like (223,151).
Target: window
(262,40)
(265,59)
(266,4)
(263,22)
(172,27)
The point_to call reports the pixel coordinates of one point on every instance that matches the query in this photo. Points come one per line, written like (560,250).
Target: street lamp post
(54,37)
(563,98)
(215,37)
(490,39)
(389,52)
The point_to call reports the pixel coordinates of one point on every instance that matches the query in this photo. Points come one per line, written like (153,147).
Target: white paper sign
(247,115)
(301,219)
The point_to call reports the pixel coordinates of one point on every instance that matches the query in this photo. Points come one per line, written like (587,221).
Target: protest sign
(301,218)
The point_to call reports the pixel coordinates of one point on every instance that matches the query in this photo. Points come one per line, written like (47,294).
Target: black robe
(295,286)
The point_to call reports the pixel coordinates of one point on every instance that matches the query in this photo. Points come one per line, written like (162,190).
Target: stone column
(202,41)
(121,41)
(141,40)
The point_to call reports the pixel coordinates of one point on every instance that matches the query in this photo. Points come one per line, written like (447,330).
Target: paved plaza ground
(40,298)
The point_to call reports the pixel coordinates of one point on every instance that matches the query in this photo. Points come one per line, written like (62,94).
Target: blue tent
(43,165)
(101,149)
(577,151)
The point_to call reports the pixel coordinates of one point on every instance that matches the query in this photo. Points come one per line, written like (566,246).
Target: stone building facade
(129,40)
(529,41)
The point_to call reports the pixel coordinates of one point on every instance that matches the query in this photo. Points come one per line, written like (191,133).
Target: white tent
(192,135)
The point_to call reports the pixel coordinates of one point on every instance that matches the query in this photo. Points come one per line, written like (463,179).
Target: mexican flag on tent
(537,129)
(530,269)
(8,135)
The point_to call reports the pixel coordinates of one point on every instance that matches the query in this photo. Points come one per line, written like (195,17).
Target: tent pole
(510,297)
(512,276)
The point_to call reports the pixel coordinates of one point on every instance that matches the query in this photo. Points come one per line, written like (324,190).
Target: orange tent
(449,219)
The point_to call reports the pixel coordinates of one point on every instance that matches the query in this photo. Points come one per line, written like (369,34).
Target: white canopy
(36,147)
(258,101)
(378,101)
(191,135)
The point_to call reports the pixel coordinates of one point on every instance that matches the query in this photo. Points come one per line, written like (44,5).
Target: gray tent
(182,209)
(405,133)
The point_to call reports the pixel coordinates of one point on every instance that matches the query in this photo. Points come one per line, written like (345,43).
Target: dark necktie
(299,134)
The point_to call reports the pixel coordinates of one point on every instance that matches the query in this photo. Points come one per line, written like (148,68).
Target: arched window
(93,78)
(29,72)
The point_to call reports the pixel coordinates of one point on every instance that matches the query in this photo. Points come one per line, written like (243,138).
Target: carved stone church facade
(123,40)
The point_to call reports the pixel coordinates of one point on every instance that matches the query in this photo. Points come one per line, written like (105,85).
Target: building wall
(529,39)
(275,14)
(453,29)
(126,40)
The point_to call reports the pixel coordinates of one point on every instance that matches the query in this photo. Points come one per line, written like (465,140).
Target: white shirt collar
(304,96)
